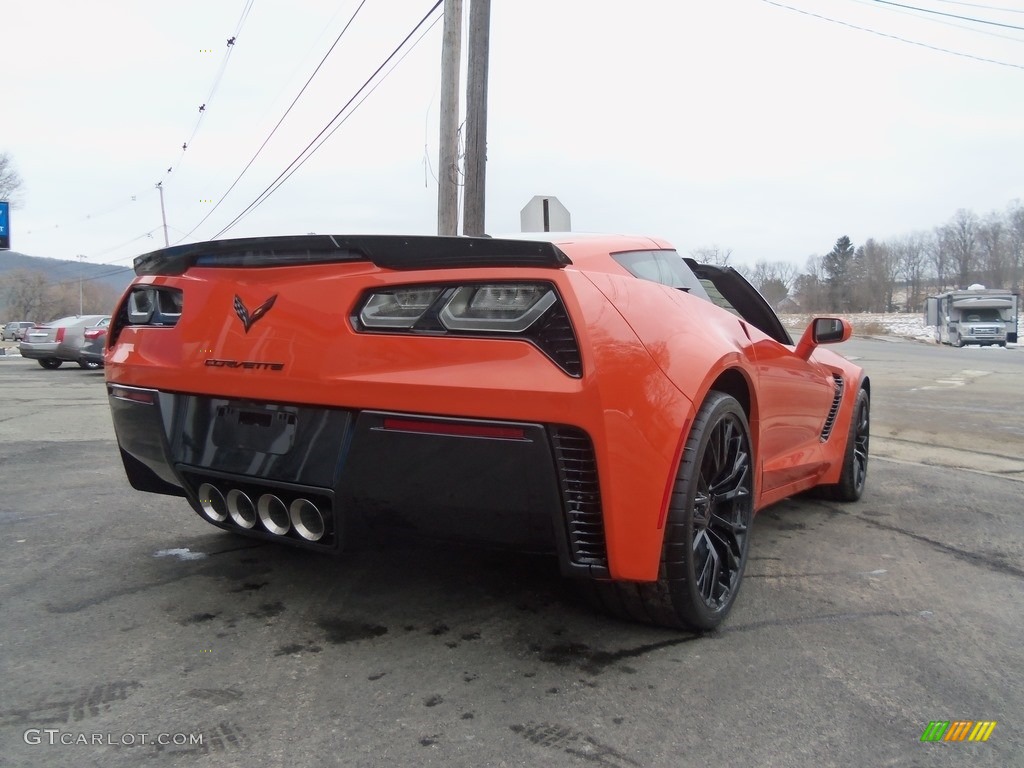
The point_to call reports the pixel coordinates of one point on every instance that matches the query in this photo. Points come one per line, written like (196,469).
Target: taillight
(95,333)
(155,306)
(152,305)
(532,311)
(60,334)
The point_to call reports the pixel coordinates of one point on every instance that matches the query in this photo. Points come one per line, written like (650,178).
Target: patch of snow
(181,554)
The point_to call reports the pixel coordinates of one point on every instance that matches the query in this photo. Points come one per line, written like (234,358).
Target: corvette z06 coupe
(598,397)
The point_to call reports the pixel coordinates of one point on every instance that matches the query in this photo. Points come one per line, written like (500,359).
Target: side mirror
(823,330)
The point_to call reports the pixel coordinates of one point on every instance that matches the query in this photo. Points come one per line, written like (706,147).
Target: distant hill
(64,271)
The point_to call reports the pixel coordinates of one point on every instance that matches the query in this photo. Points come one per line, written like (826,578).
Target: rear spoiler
(386,251)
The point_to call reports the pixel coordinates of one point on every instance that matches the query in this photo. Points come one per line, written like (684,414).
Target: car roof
(581,244)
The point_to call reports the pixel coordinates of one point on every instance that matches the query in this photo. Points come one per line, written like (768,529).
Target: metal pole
(163,214)
(81,260)
(448,160)
(476,117)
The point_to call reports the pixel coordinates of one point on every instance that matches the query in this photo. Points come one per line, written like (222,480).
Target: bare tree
(30,295)
(712,254)
(774,280)
(1015,223)
(27,294)
(810,287)
(961,238)
(10,181)
(939,252)
(879,269)
(911,253)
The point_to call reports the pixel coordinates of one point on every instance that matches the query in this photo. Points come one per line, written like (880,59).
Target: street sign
(544,214)
(5,225)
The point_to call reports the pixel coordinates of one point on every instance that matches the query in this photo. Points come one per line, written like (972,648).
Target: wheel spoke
(721,512)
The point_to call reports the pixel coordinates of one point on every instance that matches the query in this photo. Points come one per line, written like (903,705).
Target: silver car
(60,341)
(16,331)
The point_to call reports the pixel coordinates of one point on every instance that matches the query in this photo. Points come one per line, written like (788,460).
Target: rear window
(665,267)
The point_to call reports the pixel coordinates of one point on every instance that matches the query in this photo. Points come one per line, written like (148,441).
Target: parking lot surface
(142,635)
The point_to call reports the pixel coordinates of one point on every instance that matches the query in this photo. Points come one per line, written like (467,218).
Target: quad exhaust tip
(307,520)
(211,501)
(274,514)
(241,509)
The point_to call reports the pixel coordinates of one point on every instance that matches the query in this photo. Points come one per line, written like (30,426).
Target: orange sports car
(598,397)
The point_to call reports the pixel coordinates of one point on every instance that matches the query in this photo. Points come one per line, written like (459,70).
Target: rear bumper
(528,486)
(43,351)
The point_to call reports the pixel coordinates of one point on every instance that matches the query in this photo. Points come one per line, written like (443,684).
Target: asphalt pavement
(133,633)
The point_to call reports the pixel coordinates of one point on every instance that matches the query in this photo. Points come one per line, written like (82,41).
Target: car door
(793,395)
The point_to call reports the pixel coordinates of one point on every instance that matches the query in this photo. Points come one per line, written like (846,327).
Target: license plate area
(261,428)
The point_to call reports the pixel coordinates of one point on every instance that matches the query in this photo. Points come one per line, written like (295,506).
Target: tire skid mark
(81,705)
(974,558)
(593,661)
(573,742)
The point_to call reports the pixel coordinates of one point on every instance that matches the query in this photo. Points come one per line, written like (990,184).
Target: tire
(959,342)
(855,460)
(50,363)
(707,529)
(89,366)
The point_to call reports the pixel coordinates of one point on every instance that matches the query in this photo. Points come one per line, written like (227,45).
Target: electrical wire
(213,89)
(297,162)
(893,37)
(986,32)
(951,15)
(278,125)
(133,198)
(983,7)
(376,85)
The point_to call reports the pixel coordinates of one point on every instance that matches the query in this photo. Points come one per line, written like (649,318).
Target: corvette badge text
(251,365)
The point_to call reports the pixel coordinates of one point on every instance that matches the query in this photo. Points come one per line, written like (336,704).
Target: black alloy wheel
(707,533)
(855,460)
(50,363)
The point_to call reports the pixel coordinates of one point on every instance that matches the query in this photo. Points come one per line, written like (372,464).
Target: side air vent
(834,410)
(554,335)
(581,495)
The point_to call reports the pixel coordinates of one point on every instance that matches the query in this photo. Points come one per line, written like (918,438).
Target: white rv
(977,315)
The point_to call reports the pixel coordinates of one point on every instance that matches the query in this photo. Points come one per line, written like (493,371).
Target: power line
(982,7)
(975,30)
(951,15)
(893,37)
(133,198)
(230,47)
(336,127)
(298,160)
(278,125)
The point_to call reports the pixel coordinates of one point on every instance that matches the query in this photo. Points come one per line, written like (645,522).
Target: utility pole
(163,214)
(476,117)
(448,161)
(81,260)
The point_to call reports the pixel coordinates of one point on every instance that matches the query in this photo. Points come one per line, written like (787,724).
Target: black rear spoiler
(386,251)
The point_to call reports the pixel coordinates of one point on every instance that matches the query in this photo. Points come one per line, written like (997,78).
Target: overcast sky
(739,123)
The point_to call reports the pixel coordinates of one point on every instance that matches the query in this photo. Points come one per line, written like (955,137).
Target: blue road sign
(5,225)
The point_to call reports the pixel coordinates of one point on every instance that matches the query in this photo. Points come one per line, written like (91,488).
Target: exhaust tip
(241,509)
(307,520)
(211,501)
(273,514)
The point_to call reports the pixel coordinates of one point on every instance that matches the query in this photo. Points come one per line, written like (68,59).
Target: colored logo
(958,730)
(5,225)
(249,318)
